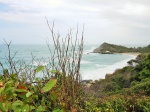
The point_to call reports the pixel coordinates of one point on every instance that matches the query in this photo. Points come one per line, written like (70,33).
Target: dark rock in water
(132,62)
(89,52)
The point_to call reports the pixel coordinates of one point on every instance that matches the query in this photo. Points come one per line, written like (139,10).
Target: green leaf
(8,88)
(53,71)
(25,108)
(5,106)
(23,96)
(13,76)
(35,97)
(51,83)
(1,90)
(28,94)
(58,110)
(2,107)
(17,104)
(39,68)
(17,110)
(31,107)
(37,79)
(21,90)
(40,109)
(1,77)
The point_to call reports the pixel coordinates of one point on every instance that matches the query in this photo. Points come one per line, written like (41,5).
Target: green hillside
(126,90)
(106,48)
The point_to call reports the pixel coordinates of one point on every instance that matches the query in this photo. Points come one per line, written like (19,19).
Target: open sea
(93,66)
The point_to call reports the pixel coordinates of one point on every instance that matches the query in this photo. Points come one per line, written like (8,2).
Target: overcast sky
(113,21)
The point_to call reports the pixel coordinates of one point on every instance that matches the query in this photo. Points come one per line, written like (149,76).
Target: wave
(39,63)
(98,65)
(96,74)
(89,50)
(85,62)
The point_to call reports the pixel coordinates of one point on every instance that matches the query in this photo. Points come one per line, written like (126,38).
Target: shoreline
(114,67)
(126,53)
(131,54)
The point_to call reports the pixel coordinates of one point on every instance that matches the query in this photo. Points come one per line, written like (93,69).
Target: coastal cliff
(107,48)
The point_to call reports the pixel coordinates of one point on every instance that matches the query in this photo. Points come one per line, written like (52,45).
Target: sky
(123,22)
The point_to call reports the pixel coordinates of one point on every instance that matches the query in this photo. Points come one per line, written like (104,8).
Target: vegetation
(127,89)
(59,88)
(120,49)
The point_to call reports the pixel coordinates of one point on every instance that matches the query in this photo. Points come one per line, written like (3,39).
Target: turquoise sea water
(93,66)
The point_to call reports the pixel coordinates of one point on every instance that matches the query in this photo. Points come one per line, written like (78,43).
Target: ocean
(93,66)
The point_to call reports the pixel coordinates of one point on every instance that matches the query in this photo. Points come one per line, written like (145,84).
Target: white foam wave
(89,50)
(100,73)
(37,63)
(98,65)
(85,62)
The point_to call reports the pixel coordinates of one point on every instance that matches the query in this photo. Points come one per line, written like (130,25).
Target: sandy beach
(132,54)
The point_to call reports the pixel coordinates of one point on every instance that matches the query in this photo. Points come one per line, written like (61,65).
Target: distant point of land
(107,48)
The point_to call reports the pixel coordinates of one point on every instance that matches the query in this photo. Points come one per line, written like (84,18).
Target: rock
(87,83)
(107,48)
(108,75)
(91,82)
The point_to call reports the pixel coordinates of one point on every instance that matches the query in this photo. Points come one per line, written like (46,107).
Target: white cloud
(108,19)
(134,9)
(31,4)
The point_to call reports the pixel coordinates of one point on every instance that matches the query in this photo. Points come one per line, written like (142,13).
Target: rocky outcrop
(87,83)
(107,48)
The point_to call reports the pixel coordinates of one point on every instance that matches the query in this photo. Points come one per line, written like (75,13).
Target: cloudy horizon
(118,21)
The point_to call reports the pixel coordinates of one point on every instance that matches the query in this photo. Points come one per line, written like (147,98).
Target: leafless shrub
(65,58)
(68,53)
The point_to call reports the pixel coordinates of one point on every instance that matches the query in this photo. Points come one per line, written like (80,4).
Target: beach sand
(132,54)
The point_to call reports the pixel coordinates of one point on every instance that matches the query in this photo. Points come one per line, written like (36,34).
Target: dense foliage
(19,96)
(127,89)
